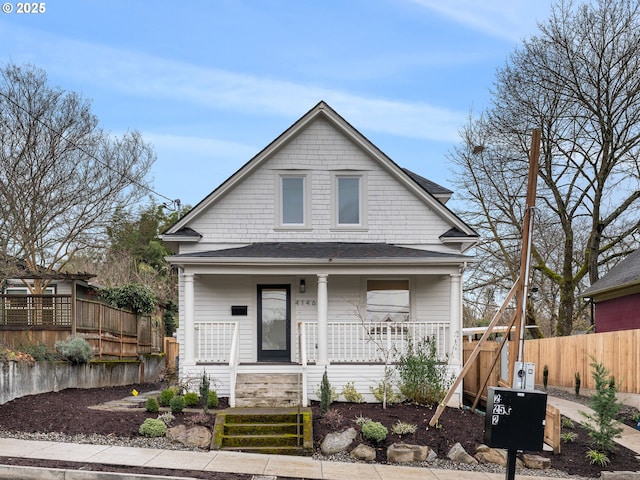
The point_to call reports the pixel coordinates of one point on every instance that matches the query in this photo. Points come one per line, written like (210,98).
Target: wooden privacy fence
(617,351)
(474,378)
(112,332)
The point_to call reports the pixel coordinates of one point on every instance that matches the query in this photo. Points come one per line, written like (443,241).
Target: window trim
(362,200)
(306,198)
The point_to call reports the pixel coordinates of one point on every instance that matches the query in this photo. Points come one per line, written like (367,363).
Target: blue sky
(210,83)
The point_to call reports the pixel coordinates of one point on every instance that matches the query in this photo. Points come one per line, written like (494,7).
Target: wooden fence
(475,376)
(617,351)
(45,319)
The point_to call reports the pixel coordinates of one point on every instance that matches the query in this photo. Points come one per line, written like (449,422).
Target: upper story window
(349,197)
(292,200)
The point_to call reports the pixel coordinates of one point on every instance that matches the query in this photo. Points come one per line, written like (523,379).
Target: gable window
(388,300)
(293,200)
(348,198)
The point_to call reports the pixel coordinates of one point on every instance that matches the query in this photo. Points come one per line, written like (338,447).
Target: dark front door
(274,323)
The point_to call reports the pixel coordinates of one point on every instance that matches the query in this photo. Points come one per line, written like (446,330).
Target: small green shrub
(374,431)
(568,437)
(350,393)
(132,296)
(166,395)
(212,402)
(204,392)
(598,458)
(75,350)
(393,396)
(403,428)
(152,427)
(191,399)
(545,376)
(176,404)
(327,393)
(424,379)
(576,386)
(151,405)
(568,423)
(40,352)
(167,418)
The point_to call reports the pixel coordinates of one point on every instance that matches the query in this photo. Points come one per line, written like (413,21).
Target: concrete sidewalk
(252,464)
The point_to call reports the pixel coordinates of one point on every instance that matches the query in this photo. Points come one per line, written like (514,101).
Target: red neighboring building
(616,296)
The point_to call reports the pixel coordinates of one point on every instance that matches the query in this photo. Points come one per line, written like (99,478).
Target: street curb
(18,472)
(620,475)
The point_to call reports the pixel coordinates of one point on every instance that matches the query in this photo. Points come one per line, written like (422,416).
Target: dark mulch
(67,412)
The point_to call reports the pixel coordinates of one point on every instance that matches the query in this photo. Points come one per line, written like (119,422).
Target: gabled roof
(432,194)
(625,274)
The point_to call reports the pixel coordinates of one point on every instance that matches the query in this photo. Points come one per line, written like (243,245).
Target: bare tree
(579,82)
(61,175)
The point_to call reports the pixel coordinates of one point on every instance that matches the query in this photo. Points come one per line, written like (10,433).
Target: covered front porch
(301,323)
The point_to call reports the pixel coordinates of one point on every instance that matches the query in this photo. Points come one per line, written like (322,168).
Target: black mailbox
(515,419)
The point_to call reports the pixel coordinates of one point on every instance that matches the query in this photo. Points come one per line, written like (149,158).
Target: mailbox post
(515,421)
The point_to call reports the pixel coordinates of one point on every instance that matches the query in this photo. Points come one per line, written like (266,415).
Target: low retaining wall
(18,379)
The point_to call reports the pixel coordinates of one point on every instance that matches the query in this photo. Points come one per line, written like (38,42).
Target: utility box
(515,419)
(524,375)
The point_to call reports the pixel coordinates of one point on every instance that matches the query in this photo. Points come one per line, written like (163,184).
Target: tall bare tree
(61,175)
(579,82)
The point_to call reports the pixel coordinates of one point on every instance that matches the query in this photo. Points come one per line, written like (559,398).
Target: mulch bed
(66,412)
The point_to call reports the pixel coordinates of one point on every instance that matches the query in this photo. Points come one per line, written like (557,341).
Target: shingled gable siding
(395,215)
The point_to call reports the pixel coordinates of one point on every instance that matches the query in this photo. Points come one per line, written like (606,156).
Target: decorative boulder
(405,453)
(485,454)
(364,452)
(460,455)
(194,436)
(338,442)
(536,462)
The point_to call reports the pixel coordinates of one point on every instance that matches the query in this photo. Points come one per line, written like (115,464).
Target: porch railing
(348,342)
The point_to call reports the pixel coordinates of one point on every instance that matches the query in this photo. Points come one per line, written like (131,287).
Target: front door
(274,323)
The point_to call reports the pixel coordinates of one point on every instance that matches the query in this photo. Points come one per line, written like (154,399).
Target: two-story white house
(320,252)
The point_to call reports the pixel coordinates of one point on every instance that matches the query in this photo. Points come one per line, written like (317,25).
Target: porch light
(303,286)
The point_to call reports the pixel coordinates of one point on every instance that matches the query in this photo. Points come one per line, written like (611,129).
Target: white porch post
(323,320)
(455,315)
(189,321)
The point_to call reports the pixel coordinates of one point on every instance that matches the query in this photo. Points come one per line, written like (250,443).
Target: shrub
(166,395)
(403,428)
(40,352)
(392,396)
(199,419)
(360,420)
(133,296)
(153,427)
(327,393)
(424,379)
(374,431)
(176,404)
(75,350)
(212,402)
(577,383)
(568,437)
(167,418)
(602,425)
(151,405)
(598,458)
(204,391)
(568,423)
(545,376)
(333,418)
(191,399)
(350,393)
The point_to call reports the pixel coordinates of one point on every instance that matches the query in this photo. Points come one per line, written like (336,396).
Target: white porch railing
(348,342)
(375,342)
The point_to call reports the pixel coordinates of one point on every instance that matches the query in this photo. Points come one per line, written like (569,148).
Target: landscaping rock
(364,452)
(460,455)
(405,453)
(498,456)
(536,462)
(194,436)
(338,442)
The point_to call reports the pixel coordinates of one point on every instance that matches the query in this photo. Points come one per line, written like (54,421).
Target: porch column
(189,322)
(323,320)
(455,309)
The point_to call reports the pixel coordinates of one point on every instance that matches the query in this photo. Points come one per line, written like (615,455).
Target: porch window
(388,300)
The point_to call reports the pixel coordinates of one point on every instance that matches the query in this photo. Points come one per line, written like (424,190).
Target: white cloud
(148,76)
